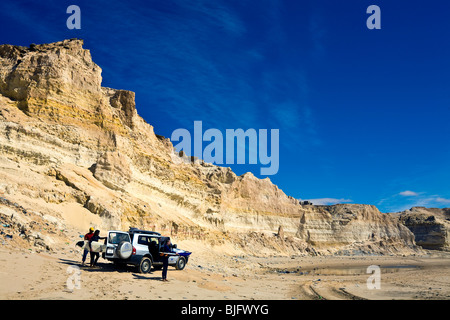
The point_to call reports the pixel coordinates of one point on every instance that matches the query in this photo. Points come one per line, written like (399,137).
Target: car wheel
(181,263)
(124,250)
(145,265)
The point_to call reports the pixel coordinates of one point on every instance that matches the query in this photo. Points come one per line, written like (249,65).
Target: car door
(112,241)
(142,247)
(154,248)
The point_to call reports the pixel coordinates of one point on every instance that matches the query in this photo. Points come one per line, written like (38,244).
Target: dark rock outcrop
(430,226)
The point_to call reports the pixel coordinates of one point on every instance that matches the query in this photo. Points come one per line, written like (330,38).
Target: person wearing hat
(87,237)
(95,255)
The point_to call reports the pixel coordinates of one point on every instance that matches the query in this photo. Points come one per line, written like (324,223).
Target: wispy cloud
(442,200)
(405,200)
(408,193)
(429,201)
(197,60)
(238,82)
(28,15)
(317,31)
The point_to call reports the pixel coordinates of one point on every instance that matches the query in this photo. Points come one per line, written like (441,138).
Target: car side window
(143,240)
(155,240)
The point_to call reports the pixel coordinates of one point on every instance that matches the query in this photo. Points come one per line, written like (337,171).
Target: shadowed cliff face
(66,142)
(430,226)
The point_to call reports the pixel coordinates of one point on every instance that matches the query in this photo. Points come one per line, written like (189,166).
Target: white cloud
(407,199)
(442,200)
(327,201)
(408,193)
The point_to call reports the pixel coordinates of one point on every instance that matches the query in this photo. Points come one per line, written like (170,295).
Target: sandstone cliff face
(349,224)
(430,226)
(38,78)
(71,148)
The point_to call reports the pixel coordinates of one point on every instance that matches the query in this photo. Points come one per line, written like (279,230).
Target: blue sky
(363,114)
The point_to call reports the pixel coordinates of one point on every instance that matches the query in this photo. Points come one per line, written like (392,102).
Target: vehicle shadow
(111,267)
(101,266)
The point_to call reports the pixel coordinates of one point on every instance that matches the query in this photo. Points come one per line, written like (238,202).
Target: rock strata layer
(430,226)
(78,151)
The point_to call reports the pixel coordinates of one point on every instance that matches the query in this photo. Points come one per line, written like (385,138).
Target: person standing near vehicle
(95,255)
(167,248)
(87,237)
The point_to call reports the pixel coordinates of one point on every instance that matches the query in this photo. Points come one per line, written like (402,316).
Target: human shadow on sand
(146,277)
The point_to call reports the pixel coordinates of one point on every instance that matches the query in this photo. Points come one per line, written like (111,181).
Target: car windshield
(118,237)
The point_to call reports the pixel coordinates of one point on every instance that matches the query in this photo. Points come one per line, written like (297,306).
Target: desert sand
(212,273)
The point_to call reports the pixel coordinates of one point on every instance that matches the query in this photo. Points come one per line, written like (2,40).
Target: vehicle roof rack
(136,230)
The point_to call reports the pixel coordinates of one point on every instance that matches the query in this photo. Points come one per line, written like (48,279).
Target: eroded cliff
(430,226)
(78,151)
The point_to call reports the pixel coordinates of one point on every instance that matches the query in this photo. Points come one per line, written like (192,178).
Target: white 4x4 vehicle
(141,249)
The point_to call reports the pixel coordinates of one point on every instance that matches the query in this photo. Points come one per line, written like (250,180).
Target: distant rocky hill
(79,152)
(430,226)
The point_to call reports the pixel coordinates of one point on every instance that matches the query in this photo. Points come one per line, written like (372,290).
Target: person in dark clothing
(87,236)
(95,255)
(153,248)
(167,248)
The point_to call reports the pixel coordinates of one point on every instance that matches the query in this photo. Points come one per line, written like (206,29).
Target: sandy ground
(213,273)
(42,262)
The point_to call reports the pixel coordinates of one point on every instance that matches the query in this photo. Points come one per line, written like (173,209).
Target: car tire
(124,250)
(181,263)
(145,265)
